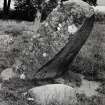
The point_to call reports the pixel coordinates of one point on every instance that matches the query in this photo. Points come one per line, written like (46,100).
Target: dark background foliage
(27,9)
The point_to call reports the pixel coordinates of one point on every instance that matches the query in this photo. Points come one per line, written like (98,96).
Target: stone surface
(88,11)
(7,74)
(53,94)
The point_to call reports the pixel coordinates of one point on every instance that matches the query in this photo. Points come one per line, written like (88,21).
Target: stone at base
(54,93)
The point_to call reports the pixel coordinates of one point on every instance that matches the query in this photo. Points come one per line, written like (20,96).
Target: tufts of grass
(91,59)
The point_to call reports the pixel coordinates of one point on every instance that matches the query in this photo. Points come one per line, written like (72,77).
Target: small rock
(8,74)
(50,94)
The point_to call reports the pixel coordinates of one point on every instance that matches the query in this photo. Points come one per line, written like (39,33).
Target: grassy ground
(91,58)
(90,61)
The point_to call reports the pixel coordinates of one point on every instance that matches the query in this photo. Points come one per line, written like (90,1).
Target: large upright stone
(34,51)
(54,33)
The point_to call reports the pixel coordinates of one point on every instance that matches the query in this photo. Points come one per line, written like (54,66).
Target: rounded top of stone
(86,8)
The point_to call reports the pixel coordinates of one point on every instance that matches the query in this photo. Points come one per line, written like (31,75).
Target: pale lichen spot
(30,99)
(44,54)
(35,36)
(58,28)
(22,76)
(24,94)
(72,29)
(46,24)
(60,25)
(47,1)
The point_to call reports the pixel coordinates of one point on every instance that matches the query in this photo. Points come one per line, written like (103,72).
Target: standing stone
(34,51)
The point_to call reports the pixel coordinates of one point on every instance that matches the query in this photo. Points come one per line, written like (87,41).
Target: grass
(91,58)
